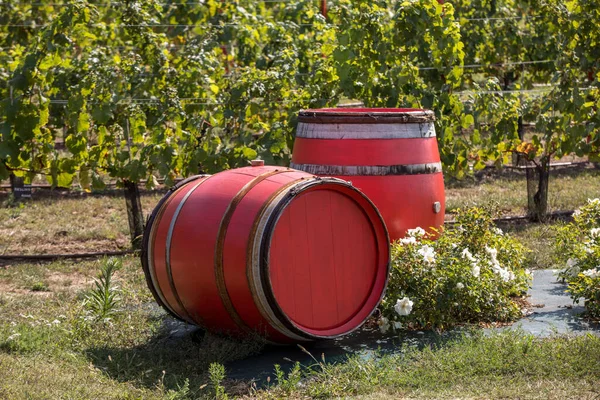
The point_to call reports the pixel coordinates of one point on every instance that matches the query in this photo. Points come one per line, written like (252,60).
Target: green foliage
(577,247)
(472,273)
(154,90)
(287,385)
(39,287)
(132,100)
(216,373)
(102,301)
(500,365)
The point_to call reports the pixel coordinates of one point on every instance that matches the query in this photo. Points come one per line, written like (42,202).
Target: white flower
(592,273)
(404,306)
(576,213)
(595,232)
(498,231)
(397,325)
(594,201)
(428,253)
(417,232)
(408,240)
(459,286)
(475,270)
(504,274)
(56,322)
(492,252)
(571,262)
(384,324)
(13,336)
(467,254)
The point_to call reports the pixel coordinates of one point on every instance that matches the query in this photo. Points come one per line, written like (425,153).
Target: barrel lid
(328,258)
(366,115)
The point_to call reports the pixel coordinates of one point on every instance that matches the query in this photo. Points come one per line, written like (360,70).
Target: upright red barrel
(390,154)
(270,250)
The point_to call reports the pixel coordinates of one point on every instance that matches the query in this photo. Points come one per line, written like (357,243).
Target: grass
(504,365)
(68,224)
(52,346)
(539,238)
(78,223)
(507,190)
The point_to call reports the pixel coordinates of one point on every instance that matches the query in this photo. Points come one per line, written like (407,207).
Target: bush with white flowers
(472,273)
(577,247)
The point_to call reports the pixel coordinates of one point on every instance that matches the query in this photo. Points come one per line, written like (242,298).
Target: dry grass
(79,223)
(507,190)
(68,224)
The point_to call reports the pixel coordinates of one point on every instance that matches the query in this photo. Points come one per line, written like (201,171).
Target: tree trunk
(13,182)
(537,191)
(517,158)
(134,213)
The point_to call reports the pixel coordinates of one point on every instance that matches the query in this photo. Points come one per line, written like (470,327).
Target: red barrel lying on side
(267,250)
(390,154)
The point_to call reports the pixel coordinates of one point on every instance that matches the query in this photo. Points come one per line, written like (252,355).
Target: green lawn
(504,365)
(51,347)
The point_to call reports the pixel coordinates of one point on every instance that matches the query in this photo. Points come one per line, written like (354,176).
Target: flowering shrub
(472,273)
(577,247)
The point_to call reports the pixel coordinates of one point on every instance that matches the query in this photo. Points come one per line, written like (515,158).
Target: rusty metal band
(369,170)
(168,246)
(253,262)
(357,117)
(421,130)
(219,248)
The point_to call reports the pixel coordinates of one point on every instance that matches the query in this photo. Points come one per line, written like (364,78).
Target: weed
(40,287)
(290,383)
(216,373)
(182,392)
(103,299)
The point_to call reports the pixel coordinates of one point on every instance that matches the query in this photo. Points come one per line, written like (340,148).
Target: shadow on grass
(365,343)
(180,352)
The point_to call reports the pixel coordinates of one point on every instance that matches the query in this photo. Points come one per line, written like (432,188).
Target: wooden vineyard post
(19,189)
(135,214)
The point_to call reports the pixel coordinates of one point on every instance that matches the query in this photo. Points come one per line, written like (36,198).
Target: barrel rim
(145,245)
(264,252)
(366,115)
(253,270)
